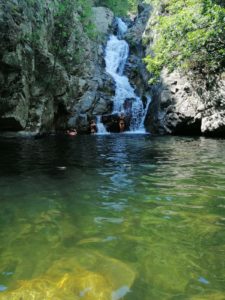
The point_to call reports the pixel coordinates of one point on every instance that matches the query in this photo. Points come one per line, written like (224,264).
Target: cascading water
(141,128)
(125,100)
(101,127)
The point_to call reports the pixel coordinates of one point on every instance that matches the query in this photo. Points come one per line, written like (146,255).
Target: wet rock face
(136,30)
(45,80)
(188,106)
(102,18)
(135,68)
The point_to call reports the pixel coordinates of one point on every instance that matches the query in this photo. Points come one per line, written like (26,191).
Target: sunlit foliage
(190,34)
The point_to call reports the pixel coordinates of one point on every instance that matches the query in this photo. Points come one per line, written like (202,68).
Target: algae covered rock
(38,289)
(89,275)
(210,296)
(85,285)
(116,272)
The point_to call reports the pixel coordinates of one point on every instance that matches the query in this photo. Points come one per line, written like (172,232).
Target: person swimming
(122,123)
(72,131)
(93,127)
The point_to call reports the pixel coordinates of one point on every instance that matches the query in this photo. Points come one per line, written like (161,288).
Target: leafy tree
(190,35)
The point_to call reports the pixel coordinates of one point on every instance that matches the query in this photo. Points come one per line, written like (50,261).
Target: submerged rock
(115,271)
(89,275)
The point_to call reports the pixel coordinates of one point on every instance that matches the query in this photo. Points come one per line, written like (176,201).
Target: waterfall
(143,113)
(100,127)
(125,100)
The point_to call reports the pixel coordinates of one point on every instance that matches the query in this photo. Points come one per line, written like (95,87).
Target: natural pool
(130,217)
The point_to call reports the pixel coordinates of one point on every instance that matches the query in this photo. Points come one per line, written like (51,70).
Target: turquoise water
(130,217)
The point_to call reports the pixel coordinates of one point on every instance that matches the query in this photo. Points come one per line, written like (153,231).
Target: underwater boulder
(87,275)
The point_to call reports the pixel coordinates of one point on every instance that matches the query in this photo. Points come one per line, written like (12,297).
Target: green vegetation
(120,8)
(72,20)
(190,36)
(63,12)
(66,26)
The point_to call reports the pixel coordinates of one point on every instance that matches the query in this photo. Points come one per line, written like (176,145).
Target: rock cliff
(184,103)
(190,104)
(51,66)
(135,68)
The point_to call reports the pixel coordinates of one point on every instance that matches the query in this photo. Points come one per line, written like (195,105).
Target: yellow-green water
(112,217)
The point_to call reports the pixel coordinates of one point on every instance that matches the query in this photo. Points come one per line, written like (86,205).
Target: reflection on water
(112,217)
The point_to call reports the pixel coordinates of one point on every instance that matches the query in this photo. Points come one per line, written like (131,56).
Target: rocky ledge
(188,104)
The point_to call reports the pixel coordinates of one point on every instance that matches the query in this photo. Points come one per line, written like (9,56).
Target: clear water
(112,217)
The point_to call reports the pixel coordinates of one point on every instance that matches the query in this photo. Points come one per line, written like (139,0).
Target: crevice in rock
(10,124)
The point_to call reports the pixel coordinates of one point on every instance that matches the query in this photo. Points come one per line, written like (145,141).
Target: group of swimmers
(93,127)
